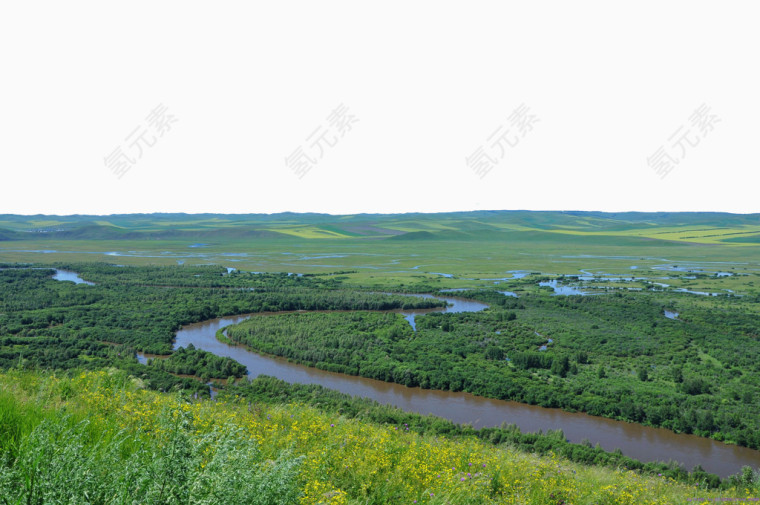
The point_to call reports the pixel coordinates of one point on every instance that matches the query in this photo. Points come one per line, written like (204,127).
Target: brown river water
(637,441)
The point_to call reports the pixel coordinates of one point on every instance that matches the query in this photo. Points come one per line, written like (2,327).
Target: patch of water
(518,274)
(701,293)
(65,275)
(454,305)
(677,268)
(321,257)
(562,290)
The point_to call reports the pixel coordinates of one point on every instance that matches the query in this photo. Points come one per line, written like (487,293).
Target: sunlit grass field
(100,438)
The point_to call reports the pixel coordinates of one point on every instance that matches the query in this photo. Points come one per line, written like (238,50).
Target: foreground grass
(100,438)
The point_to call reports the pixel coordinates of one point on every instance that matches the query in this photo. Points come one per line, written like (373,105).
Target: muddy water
(640,442)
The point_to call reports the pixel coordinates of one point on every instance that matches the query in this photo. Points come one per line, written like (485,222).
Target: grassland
(98,437)
(472,249)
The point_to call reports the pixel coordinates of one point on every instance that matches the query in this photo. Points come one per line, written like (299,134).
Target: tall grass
(63,461)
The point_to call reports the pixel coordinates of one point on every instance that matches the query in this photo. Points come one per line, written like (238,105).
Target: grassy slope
(161,446)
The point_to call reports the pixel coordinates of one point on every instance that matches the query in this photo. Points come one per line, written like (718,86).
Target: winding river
(637,441)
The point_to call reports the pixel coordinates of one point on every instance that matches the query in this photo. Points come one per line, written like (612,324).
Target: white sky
(429,82)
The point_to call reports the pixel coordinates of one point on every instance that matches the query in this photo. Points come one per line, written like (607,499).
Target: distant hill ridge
(703,227)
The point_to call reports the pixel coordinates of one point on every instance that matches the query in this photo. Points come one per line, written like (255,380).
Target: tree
(678,374)
(494,353)
(643,375)
(560,366)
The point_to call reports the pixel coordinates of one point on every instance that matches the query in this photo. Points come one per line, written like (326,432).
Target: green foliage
(61,461)
(192,361)
(561,366)
(642,374)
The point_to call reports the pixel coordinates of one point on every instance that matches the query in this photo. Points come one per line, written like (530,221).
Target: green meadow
(452,250)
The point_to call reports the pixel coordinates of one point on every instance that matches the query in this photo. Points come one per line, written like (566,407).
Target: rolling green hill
(687,226)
